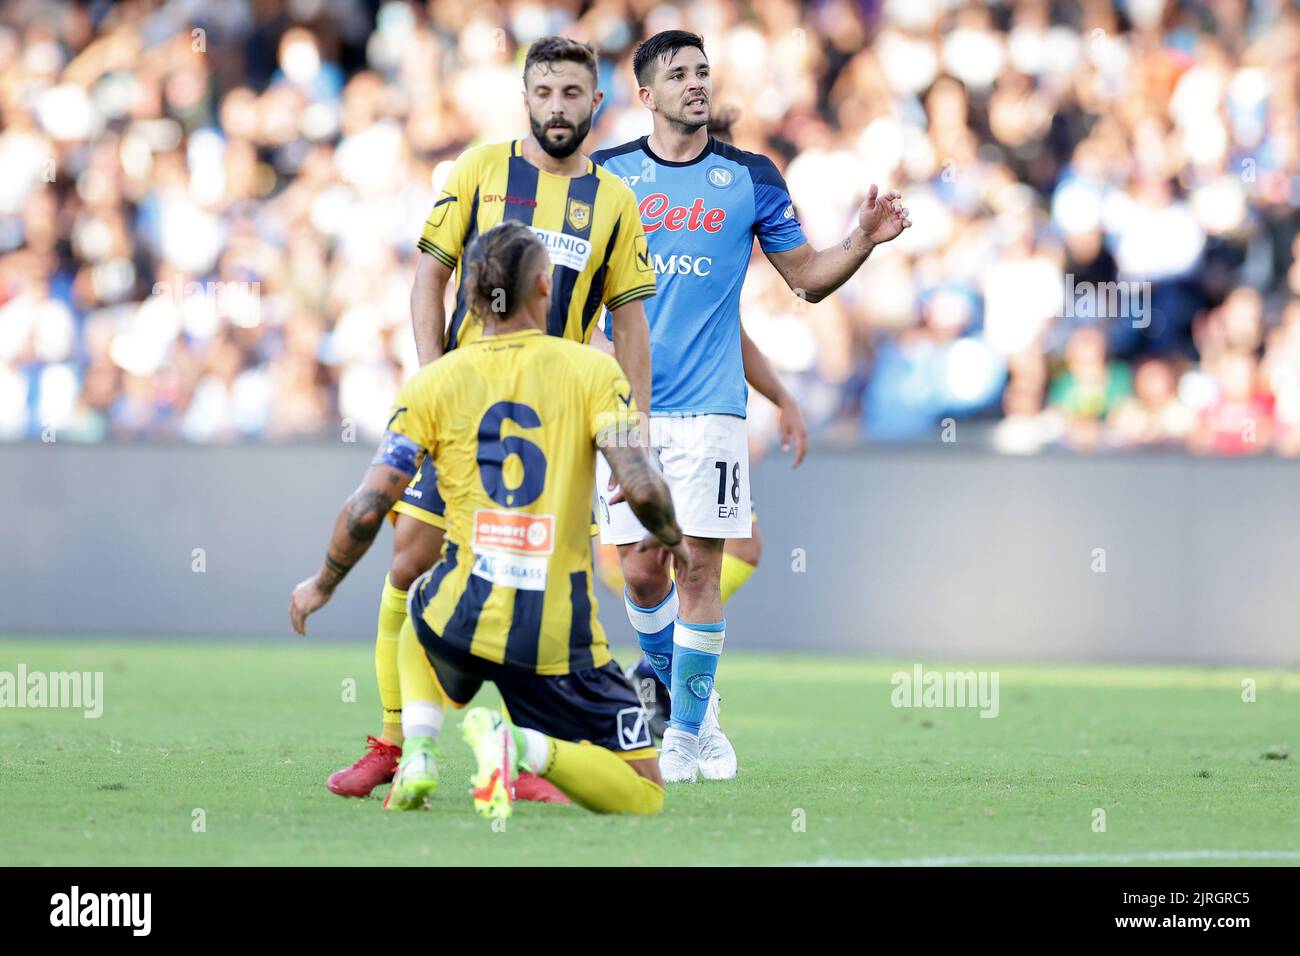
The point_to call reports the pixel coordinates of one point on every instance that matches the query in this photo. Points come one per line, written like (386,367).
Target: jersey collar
(704,153)
(517,149)
(508,335)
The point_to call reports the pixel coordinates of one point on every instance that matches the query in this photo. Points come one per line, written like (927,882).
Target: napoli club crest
(720,176)
(701,685)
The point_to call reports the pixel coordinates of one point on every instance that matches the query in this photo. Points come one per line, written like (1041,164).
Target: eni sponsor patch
(564,250)
(513,531)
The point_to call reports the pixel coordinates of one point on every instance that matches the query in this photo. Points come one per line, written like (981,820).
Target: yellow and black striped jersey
(590,225)
(511,422)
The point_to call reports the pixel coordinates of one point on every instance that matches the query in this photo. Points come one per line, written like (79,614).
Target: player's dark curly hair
(664,43)
(556,49)
(499,266)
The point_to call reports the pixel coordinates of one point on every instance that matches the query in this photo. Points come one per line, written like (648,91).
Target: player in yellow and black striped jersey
(590,226)
(589,223)
(513,421)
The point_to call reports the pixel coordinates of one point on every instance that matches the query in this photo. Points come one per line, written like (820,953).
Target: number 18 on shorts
(705,461)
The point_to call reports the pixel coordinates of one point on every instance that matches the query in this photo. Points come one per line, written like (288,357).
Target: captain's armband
(399,452)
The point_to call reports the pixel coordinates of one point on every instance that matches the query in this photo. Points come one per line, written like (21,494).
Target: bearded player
(588,221)
(703,203)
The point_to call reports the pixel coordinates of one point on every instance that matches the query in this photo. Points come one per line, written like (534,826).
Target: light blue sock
(654,629)
(695,662)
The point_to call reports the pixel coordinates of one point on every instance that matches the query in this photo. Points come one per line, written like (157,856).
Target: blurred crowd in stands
(208,211)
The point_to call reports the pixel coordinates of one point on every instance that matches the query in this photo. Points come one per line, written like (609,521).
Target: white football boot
(717,756)
(679,760)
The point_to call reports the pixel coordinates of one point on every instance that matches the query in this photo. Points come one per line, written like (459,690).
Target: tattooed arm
(355,527)
(815,275)
(644,490)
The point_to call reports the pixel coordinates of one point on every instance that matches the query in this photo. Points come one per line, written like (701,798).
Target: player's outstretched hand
(883,217)
(307,597)
(794,430)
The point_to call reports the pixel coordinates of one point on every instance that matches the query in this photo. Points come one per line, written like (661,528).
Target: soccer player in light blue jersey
(702,203)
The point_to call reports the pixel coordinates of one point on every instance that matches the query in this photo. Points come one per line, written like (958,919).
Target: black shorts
(598,704)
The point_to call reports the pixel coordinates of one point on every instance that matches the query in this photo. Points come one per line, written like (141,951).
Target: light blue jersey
(700,221)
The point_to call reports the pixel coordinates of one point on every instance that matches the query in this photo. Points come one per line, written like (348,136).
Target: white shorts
(705,461)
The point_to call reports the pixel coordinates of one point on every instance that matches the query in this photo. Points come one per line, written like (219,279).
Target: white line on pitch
(1030,859)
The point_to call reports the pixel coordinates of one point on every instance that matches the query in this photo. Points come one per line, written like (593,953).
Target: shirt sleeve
(411,433)
(775,222)
(445,229)
(612,409)
(631,274)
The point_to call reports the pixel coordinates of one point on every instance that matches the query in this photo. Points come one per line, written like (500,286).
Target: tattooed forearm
(358,522)
(366,511)
(644,491)
(333,572)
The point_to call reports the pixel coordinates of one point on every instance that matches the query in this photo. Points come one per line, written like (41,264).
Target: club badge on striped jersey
(579,215)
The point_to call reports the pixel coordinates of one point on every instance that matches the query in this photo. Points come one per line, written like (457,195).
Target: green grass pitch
(830,771)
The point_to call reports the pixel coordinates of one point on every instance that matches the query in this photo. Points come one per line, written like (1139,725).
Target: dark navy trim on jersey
(597,289)
(464,620)
(525,629)
(563,279)
(601,155)
(580,630)
(421,596)
(441,570)
(462,295)
(709,147)
(631,295)
(424,245)
(771,199)
(521,183)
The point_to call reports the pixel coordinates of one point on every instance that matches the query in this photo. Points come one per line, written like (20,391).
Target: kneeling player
(511,423)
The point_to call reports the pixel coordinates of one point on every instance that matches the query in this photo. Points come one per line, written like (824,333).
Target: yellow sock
(414,669)
(599,780)
(392,613)
(735,573)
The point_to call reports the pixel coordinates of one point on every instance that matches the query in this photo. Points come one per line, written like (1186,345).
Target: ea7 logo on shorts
(633,729)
